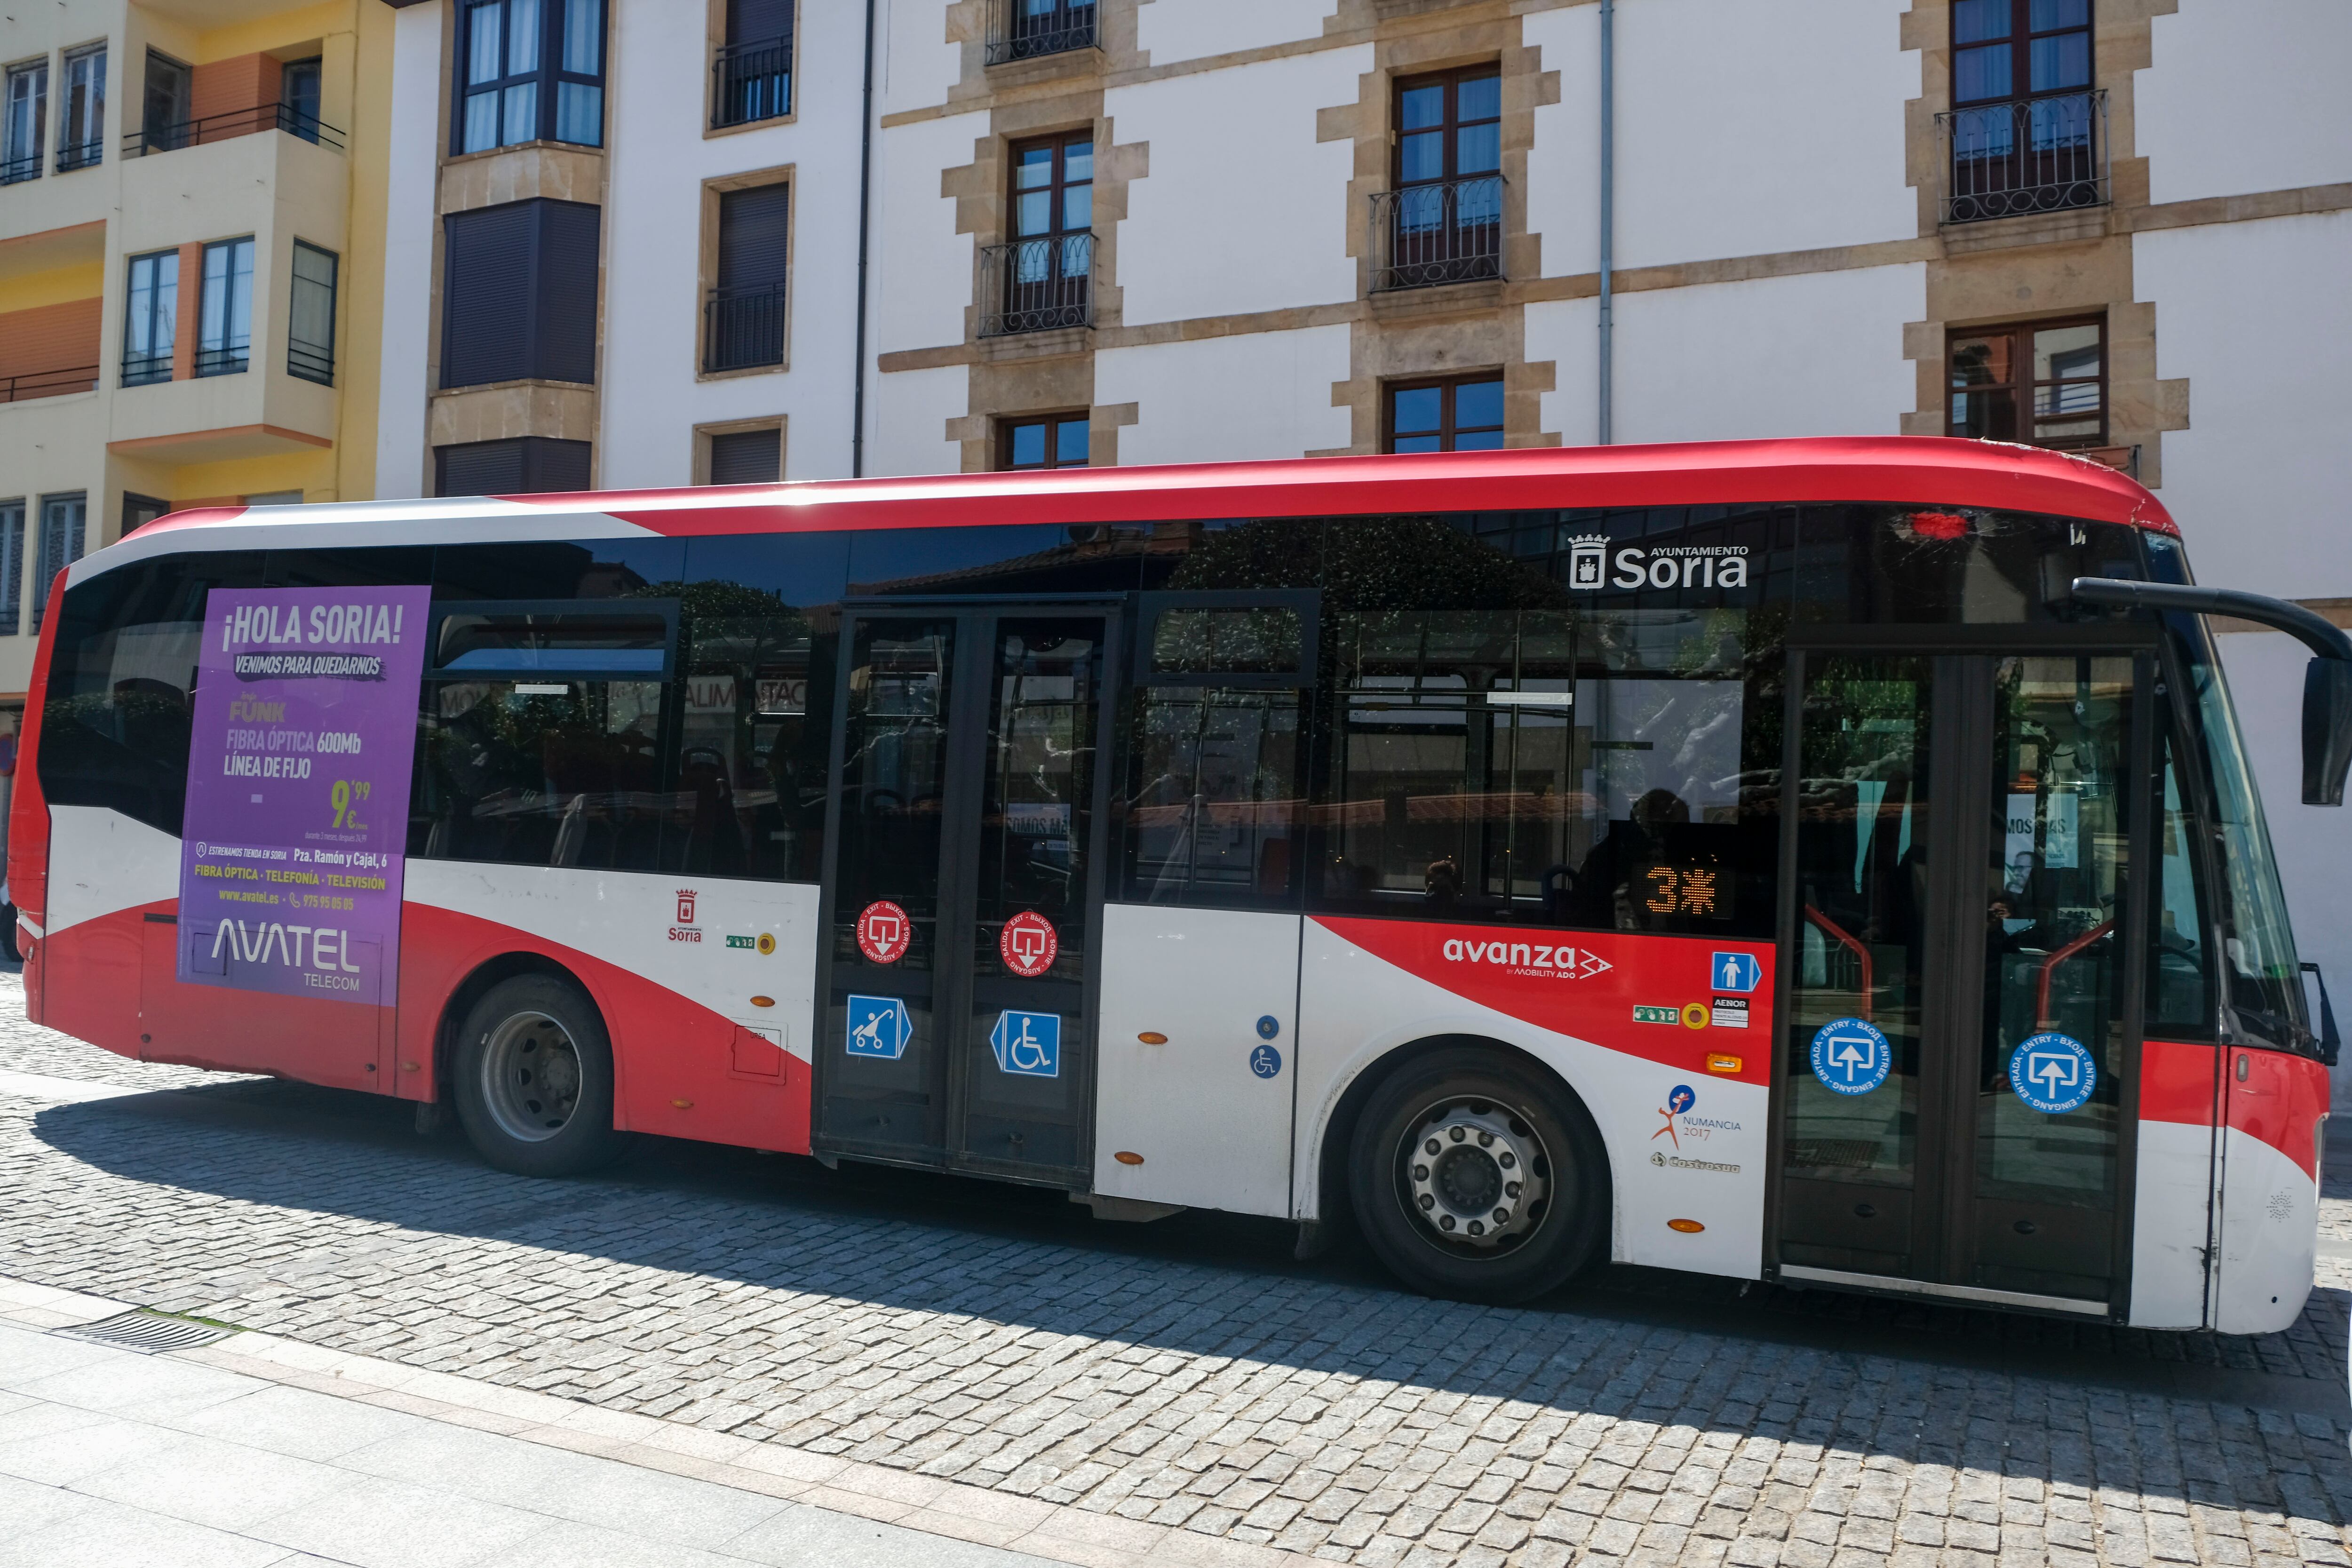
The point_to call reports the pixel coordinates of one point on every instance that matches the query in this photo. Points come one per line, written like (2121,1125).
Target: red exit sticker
(883,931)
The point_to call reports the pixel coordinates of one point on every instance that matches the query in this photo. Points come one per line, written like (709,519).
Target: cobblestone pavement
(1187,1373)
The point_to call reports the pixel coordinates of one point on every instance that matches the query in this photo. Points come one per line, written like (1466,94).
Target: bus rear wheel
(1471,1177)
(534,1079)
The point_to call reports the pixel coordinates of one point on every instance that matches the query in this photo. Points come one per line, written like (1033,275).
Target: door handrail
(2043,1017)
(1860,952)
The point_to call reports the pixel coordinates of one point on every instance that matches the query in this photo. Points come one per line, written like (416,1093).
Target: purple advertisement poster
(290,854)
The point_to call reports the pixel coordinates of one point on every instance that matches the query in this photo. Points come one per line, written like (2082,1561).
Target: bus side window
(1213,803)
(2180,1005)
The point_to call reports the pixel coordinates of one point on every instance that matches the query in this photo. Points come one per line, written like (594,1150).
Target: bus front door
(1961,959)
(961,905)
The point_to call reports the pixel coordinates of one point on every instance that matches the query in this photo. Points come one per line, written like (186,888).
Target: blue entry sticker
(1734,972)
(878,1027)
(1028,1043)
(2052,1073)
(1850,1057)
(1265,1061)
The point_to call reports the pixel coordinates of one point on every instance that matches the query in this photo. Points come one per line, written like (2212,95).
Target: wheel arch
(1333,1206)
(477,982)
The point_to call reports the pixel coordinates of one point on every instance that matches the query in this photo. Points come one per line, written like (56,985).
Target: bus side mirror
(2327,730)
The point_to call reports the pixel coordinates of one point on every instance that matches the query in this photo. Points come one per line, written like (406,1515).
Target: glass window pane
(1481,98)
(1421,107)
(1079,207)
(1477,403)
(2062,62)
(1070,442)
(1033,168)
(1974,21)
(1985,416)
(1078,162)
(2066,351)
(1477,440)
(521,113)
(584,36)
(1415,444)
(1028,446)
(1981,73)
(482,24)
(579,114)
(215,301)
(2048,14)
(1981,362)
(1478,149)
(481,121)
(523,36)
(1034,213)
(1416,409)
(1423,157)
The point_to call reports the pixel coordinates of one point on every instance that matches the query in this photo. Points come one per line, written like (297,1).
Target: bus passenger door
(1963,959)
(956,1012)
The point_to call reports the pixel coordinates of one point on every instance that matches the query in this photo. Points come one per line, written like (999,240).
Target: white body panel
(2171,1219)
(101,861)
(1213,1132)
(2269,1237)
(627,920)
(1355,1008)
(1249,396)
(2243,96)
(1289,213)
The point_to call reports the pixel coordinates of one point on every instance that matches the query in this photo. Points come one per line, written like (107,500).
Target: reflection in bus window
(541,771)
(2177,1003)
(893,779)
(750,795)
(1214,809)
(1544,765)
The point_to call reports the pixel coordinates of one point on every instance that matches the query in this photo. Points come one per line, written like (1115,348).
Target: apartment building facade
(190,216)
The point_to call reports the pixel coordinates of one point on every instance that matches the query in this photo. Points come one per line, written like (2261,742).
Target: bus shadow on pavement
(918,1241)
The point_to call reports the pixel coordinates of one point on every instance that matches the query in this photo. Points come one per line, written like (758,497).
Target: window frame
(2022,386)
(1450,123)
(156,132)
(1052,423)
(548,76)
(17,164)
(13,515)
(2020,38)
(90,150)
(1447,430)
(45,569)
(304,360)
(167,319)
(214,357)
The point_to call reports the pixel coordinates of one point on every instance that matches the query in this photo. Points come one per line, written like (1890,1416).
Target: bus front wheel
(1473,1177)
(534,1079)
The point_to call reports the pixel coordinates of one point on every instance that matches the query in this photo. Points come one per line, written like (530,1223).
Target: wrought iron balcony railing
(2037,155)
(311,361)
(81,155)
(233,122)
(143,370)
(27,167)
(751,81)
(48,383)
(1037,285)
(1026,29)
(228,359)
(743,327)
(1450,231)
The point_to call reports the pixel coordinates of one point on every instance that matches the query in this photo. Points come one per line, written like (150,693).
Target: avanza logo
(1528,958)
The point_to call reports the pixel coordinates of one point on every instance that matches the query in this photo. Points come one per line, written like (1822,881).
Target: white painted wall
(923,269)
(2257,316)
(1174,30)
(1244,210)
(659,158)
(2245,95)
(907,415)
(1259,394)
(1814,354)
(918,65)
(403,468)
(1744,127)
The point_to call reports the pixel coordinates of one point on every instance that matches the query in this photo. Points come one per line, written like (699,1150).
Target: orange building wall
(63,336)
(241,86)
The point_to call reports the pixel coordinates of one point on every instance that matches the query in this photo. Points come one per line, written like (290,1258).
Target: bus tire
(534,1079)
(1473,1177)
(8,934)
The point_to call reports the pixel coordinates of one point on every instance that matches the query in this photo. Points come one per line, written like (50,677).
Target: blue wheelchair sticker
(1028,1043)
(878,1027)
(1265,1061)
(1737,971)
(2052,1073)
(1850,1057)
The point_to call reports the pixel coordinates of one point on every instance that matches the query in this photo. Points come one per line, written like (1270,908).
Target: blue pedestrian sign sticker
(878,1027)
(2052,1073)
(1737,971)
(1028,1043)
(1265,1061)
(1850,1057)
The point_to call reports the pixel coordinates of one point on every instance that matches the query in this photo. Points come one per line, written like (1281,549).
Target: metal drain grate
(149,1331)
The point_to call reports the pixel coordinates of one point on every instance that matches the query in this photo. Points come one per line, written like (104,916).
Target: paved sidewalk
(112,1458)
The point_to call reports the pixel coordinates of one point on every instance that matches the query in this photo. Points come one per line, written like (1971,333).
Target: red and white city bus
(1764,860)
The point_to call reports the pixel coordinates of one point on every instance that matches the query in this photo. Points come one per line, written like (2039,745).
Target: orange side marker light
(1152,1037)
(1687,1227)
(1128,1157)
(1722,1064)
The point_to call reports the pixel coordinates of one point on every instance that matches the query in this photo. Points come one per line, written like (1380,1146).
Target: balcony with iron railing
(171,138)
(743,327)
(1031,29)
(75,155)
(2035,155)
(31,384)
(1447,231)
(27,167)
(751,81)
(1036,285)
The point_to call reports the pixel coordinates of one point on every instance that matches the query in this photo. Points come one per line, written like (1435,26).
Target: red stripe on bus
(2176,1082)
(28,812)
(2280,1101)
(1623,991)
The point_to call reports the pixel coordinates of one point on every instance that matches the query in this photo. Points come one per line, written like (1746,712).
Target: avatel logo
(1528,958)
(682,931)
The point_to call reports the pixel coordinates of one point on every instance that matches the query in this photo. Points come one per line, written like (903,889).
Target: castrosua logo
(1544,959)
